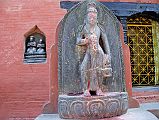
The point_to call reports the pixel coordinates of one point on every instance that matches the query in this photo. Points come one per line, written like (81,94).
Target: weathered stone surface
(104,71)
(79,107)
(151,107)
(69,58)
(132,114)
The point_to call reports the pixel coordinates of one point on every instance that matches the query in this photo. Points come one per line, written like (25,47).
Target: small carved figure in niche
(96,62)
(31,45)
(40,47)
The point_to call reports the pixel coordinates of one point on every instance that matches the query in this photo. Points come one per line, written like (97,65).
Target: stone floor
(132,114)
(152,107)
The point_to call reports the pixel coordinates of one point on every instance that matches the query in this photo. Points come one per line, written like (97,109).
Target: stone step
(152,107)
(145,88)
(147,98)
(146,94)
(132,114)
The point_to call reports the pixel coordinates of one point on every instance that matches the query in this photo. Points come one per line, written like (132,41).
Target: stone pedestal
(78,107)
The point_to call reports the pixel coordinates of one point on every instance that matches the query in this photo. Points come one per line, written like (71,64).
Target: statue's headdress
(91,7)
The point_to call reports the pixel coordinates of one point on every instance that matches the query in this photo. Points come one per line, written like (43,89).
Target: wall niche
(35,46)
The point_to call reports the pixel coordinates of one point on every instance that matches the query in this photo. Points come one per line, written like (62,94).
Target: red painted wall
(24,88)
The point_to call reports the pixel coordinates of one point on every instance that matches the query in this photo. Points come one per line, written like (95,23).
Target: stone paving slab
(132,114)
(150,106)
(146,89)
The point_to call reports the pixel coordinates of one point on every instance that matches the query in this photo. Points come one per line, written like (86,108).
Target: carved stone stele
(69,53)
(103,84)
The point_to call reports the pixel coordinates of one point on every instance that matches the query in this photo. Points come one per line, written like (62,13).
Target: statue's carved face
(92,18)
